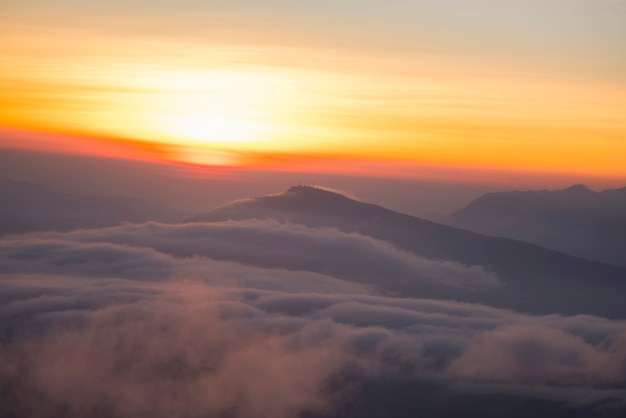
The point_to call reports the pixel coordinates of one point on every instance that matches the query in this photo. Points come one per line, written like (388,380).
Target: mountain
(536,279)
(26,207)
(576,220)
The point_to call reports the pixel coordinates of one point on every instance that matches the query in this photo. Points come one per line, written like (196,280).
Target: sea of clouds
(261,319)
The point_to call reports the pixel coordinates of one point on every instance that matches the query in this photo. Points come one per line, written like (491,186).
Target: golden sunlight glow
(210,128)
(220,108)
(221,105)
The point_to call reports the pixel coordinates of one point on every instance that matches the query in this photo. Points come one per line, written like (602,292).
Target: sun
(227,109)
(214,128)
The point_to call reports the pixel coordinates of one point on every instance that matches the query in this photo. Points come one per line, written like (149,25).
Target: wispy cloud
(349,256)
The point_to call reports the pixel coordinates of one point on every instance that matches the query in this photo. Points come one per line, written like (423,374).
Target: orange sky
(230,101)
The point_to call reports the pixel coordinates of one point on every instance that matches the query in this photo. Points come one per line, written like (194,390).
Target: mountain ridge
(576,220)
(538,280)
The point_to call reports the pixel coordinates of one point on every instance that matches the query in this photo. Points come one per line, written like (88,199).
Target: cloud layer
(267,244)
(167,321)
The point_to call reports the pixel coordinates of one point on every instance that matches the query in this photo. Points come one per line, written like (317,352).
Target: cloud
(538,354)
(180,354)
(270,244)
(141,320)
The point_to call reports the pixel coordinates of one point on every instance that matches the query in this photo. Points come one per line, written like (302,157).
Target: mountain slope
(536,279)
(26,207)
(576,220)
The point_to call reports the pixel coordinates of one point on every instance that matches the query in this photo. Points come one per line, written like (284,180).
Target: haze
(312,209)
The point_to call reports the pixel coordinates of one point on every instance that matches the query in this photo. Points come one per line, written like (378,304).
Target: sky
(402,89)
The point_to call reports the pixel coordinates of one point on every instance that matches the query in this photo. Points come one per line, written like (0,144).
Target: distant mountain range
(576,220)
(26,207)
(536,280)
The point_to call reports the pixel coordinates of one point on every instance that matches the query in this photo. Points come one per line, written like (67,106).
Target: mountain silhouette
(576,220)
(536,280)
(26,207)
